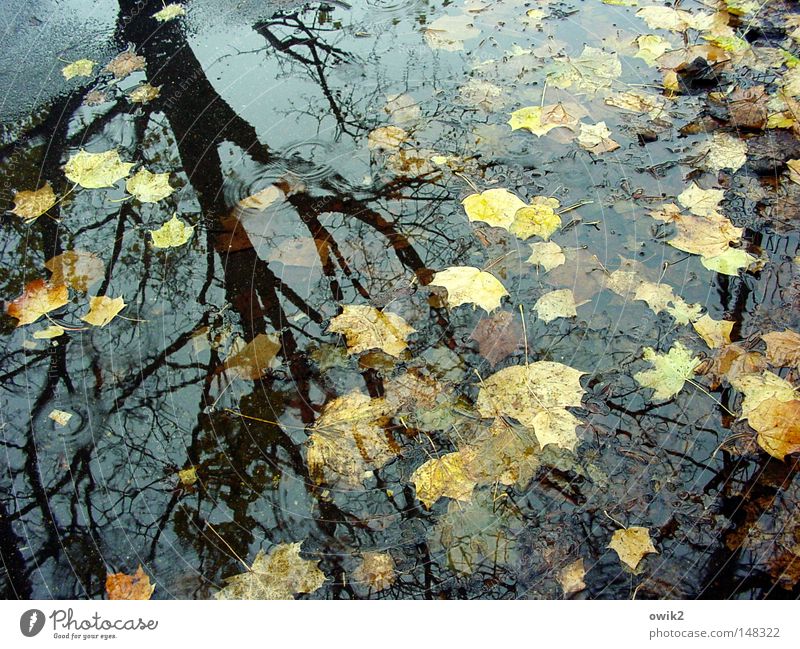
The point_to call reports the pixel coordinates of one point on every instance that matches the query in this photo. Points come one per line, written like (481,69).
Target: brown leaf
(778,426)
(123,64)
(38,298)
(748,108)
(30,205)
(783,348)
(77,269)
(135,586)
(497,336)
(255,358)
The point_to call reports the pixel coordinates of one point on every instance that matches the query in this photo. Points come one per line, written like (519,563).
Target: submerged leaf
(556,304)
(548,255)
(132,587)
(256,358)
(377,570)
(497,336)
(366,327)
(468,285)
(539,219)
(445,476)
(32,204)
(449,32)
(281,574)
(783,348)
(125,63)
(540,120)
(571,577)
(632,544)
(595,138)
(725,152)
(77,269)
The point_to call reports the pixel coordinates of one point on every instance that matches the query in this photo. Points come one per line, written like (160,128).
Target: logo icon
(31,622)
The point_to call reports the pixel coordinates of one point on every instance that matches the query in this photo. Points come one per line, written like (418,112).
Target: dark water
(256,94)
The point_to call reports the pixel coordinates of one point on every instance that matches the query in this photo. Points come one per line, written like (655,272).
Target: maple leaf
(725,151)
(148,187)
(592,71)
(731,361)
(540,120)
(546,254)
(96,170)
(38,298)
(348,440)
(778,426)
(571,578)
(536,395)
(496,207)
(366,327)
(497,336)
(702,202)
(539,219)
(423,402)
(716,333)
(281,574)
(556,304)
(504,454)
(449,33)
(77,269)
(377,570)
(707,236)
(632,544)
(671,371)
(445,476)
(169,12)
(135,586)
(758,388)
(730,262)
(32,204)
(783,348)
(257,357)
(144,93)
(102,310)
(387,137)
(748,108)
(172,234)
(79,68)
(124,64)
(595,138)
(661,297)
(468,285)
(651,47)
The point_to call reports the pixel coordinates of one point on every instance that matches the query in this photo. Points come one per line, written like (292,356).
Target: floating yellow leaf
(172,234)
(661,297)
(783,348)
(366,327)
(144,93)
(671,371)
(676,20)
(496,207)
(281,574)
(703,202)
(716,333)
(103,309)
(651,47)
(778,426)
(446,476)
(149,187)
(188,476)
(77,269)
(38,298)
(708,236)
(169,12)
(546,254)
(595,138)
(60,417)
(537,396)
(758,388)
(539,219)
(80,68)
(256,358)
(348,440)
(556,304)
(540,120)
(468,285)
(571,577)
(95,170)
(53,331)
(632,544)
(132,587)
(377,570)
(730,262)
(32,204)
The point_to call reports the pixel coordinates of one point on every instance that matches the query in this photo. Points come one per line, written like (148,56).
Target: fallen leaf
(716,333)
(468,285)
(387,137)
(281,574)
(539,219)
(80,68)
(366,327)
(707,236)
(794,170)
(135,586)
(725,151)
(504,454)
(169,12)
(758,388)
(671,371)
(702,202)
(148,187)
(730,362)
(783,348)
(402,109)
(446,476)
(188,476)
(556,304)
(540,120)
(449,32)
(172,234)
(377,570)
(661,297)
(571,578)
(778,426)
(53,331)
(632,544)
(348,440)
(125,63)
(547,254)
(747,107)
(32,204)
(592,71)
(639,102)
(537,396)
(497,336)
(144,93)
(730,262)
(676,20)
(483,94)
(96,170)
(77,269)
(651,47)
(256,358)
(60,417)
(38,298)
(102,310)
(595,138)
(496,207)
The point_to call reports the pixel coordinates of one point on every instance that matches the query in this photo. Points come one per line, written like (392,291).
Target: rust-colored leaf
(38,298)
(135,586)
(497,336)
